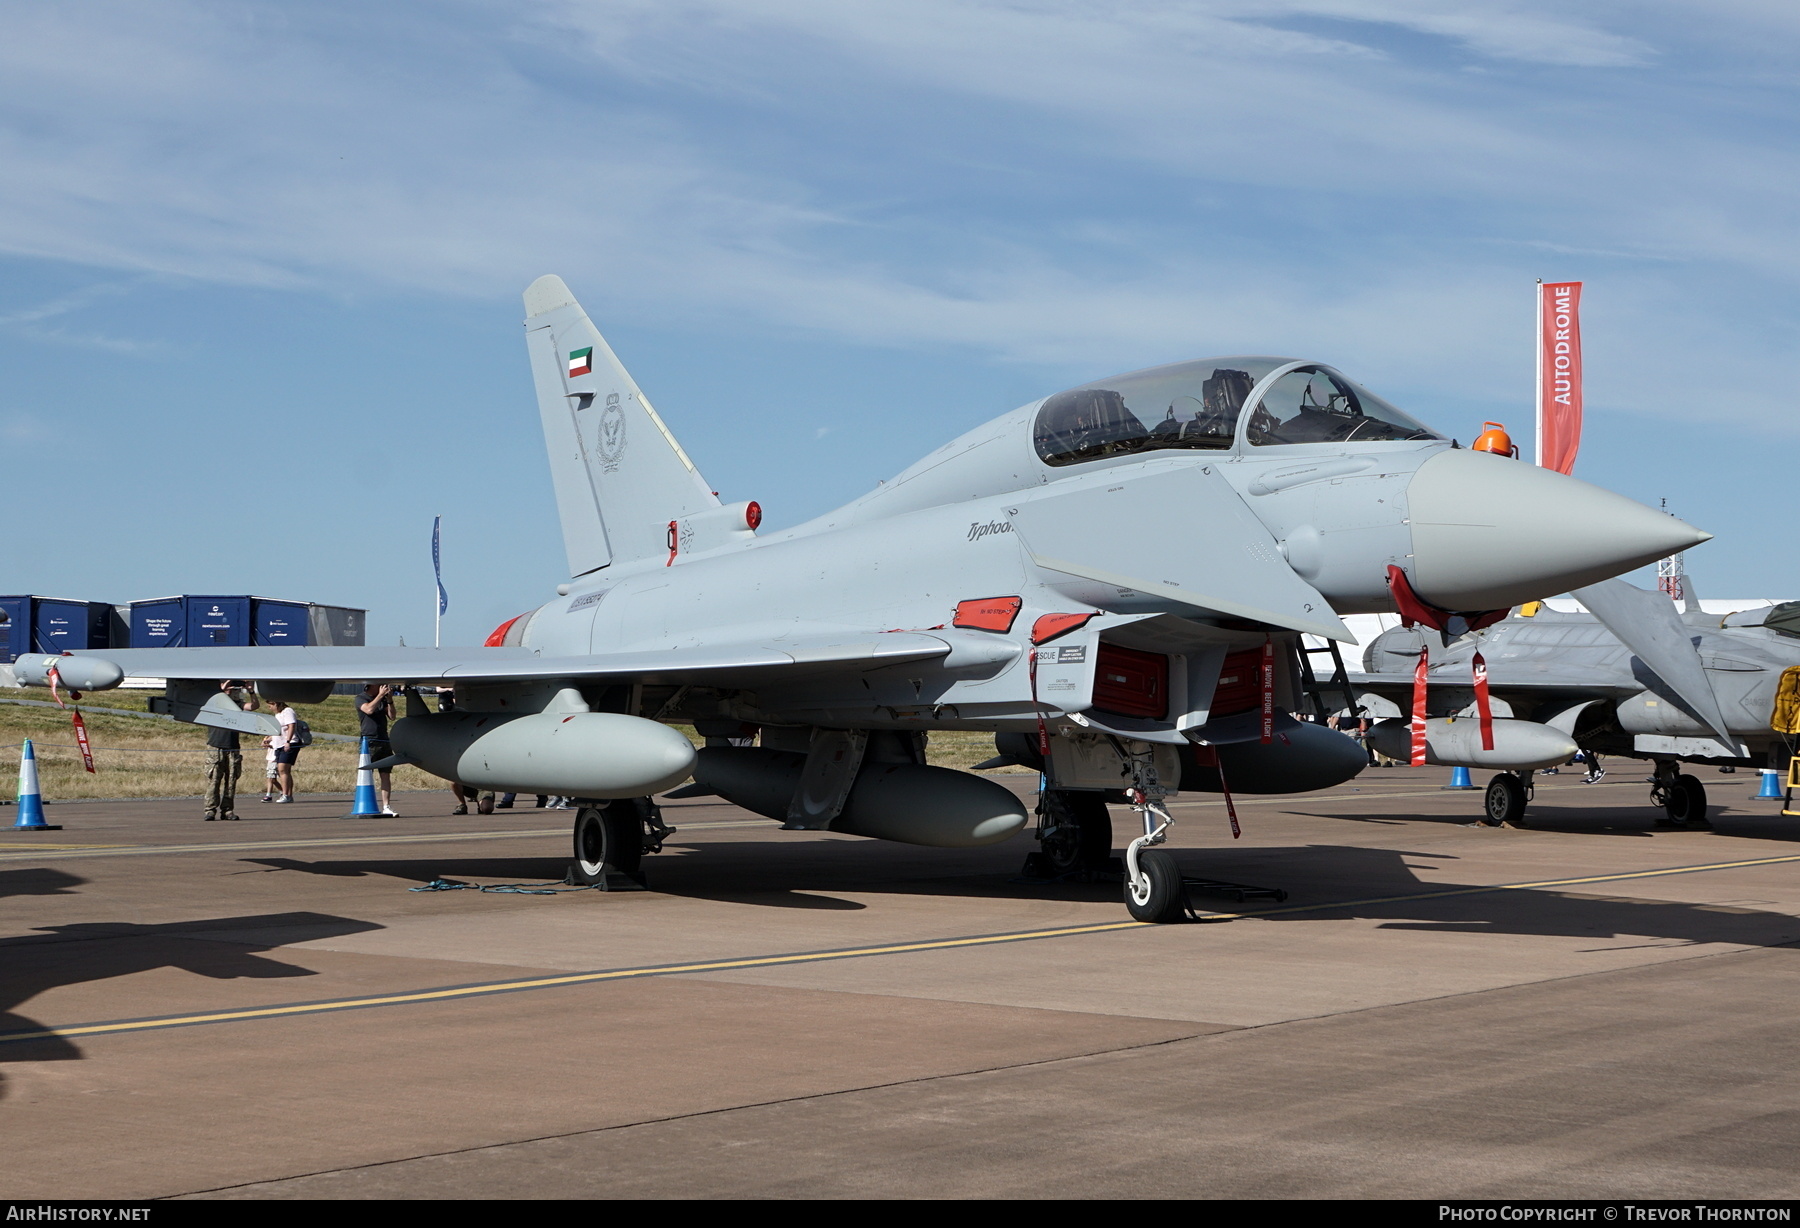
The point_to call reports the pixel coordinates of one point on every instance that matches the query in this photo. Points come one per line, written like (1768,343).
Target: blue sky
(260,264)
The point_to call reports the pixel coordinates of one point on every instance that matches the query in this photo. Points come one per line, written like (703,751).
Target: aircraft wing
(1648,623)
(687,663)
(1183,534)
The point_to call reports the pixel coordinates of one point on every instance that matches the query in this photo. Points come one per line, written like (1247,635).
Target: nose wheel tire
(1156,894)
(609,837)
(1505,801)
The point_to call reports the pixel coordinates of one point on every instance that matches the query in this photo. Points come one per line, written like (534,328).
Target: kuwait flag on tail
(581,361)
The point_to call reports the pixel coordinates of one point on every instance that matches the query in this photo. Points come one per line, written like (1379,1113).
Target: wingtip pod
(546,294)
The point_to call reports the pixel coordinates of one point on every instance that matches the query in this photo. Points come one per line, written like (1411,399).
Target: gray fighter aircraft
(1633,677)
(1113,579)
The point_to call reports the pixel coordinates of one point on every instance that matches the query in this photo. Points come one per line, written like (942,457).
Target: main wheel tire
(1082,831)
(1686,806)
(1159,897)
(609,837)
(1505,800)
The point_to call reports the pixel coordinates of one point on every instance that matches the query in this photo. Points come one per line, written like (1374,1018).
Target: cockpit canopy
(1202,405)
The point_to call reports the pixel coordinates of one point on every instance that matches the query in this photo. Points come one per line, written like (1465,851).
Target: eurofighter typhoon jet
(1634,676)
(1113,580)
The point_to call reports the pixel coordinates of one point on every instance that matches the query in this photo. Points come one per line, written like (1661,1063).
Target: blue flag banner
(437,565)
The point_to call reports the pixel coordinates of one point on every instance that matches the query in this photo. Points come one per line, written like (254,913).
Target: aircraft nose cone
(1490,532)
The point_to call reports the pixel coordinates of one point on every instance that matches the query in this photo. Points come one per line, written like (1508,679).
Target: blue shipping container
(237,622)
(17,624)
(161,623)
(282,622)
(47,624)
(218,622)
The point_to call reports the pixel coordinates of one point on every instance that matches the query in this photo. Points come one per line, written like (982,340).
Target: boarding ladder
(1337,684)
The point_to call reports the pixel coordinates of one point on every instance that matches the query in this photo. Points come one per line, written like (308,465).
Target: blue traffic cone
(31,802)
(365,806)
(1459,779)
(1771,786)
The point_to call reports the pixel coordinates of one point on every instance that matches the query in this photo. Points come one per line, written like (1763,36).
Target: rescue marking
(487,989)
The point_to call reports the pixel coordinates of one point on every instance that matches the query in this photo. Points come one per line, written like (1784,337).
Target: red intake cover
(1131,683)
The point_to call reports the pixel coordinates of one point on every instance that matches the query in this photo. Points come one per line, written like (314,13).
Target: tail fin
(620,477)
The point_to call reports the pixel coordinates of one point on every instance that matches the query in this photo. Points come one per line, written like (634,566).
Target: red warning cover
(1052,625)
(987,613)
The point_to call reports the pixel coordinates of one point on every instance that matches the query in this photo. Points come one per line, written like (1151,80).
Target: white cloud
(1060,184)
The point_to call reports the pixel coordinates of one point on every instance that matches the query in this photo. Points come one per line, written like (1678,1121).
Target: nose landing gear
(1154,890)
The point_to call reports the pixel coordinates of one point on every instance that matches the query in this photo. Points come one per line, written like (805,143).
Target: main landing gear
(1507,795)
(611,839)
(1074,836)
(1682,797)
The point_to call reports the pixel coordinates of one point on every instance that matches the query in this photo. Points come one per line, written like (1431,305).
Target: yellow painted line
(552,982)
(26,844)
(453,992)
(59,852)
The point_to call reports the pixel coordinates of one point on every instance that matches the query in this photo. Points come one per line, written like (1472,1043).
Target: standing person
(225,760)
(375,711)
(447,703)
(272,774)
(287,749)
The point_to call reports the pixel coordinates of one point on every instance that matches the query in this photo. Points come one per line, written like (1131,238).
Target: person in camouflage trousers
(225,761)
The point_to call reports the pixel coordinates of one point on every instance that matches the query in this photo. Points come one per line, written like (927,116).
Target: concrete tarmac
(1591,1006)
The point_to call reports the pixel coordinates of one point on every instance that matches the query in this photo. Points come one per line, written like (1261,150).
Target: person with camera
(374,713)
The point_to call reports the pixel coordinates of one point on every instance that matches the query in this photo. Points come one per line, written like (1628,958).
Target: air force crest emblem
(612,433)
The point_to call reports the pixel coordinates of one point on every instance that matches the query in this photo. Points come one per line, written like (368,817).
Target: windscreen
(1317,405)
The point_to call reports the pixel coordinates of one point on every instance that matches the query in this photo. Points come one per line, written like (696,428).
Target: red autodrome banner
(1559,375)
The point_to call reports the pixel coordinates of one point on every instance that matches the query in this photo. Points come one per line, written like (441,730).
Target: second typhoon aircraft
(1113,579)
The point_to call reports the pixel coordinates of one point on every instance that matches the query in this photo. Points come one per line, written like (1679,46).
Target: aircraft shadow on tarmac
(37,881)
(816,874)
(543,871)
(1635,821)
(61,955)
